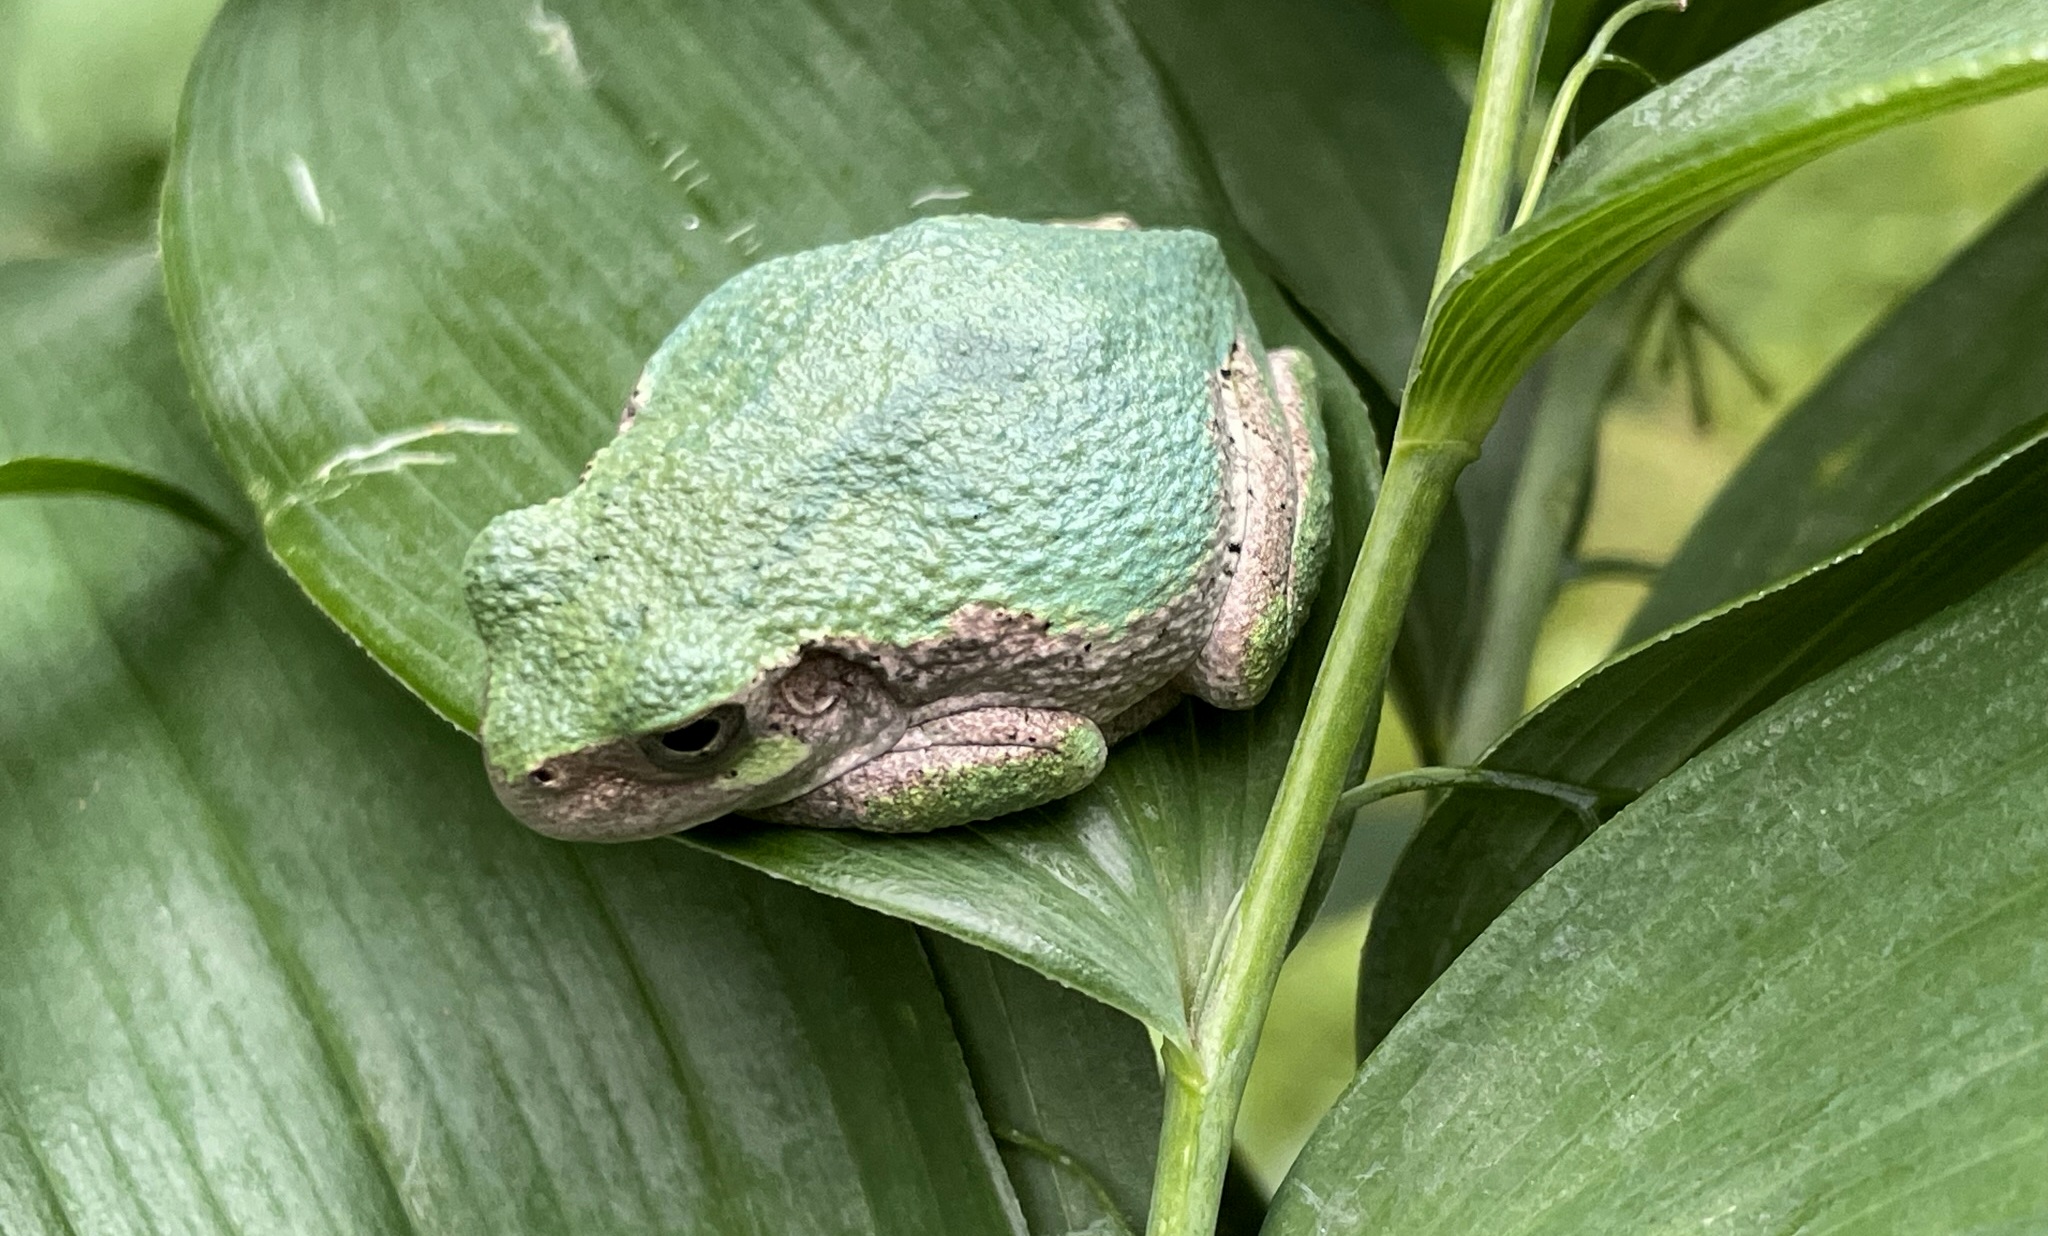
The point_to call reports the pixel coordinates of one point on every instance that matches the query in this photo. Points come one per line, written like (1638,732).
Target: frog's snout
(599,795)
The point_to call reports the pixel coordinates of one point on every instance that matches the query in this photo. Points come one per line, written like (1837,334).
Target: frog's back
(860,439)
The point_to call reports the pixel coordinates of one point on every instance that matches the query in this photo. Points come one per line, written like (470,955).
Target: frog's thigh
(954,770)
(1271,461)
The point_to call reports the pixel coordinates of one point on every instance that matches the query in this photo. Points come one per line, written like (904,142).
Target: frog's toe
(955,770)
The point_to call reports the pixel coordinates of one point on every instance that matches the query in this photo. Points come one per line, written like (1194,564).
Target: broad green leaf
(1336,139)
(1954,372)
(1631,722)
(1799,986)
(417,256)
(412,306)
(31,475)
(1829,75)
(1070,1088)
(271,958)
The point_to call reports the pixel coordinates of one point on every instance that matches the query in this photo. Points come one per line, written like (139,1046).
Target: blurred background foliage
(1783,287)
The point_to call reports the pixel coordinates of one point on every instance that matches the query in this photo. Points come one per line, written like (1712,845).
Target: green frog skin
(901,533)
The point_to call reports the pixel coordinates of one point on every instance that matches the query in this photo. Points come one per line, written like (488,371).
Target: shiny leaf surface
(1636,719)
(1070,1088)
(1798,986)
(272,959)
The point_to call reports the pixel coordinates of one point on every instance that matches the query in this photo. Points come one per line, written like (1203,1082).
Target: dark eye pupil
(694,738)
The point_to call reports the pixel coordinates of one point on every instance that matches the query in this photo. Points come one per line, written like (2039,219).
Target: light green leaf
(417,256)
(1070,1088)
(1956,369)
(1631,722)
(272,959)
(414,306)
(1953,373)
(1798,986)
(1832,74)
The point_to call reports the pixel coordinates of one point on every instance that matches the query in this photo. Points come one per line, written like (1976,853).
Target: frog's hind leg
(1282,525)
(955,770)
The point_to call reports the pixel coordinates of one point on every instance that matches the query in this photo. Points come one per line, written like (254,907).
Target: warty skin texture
(971,463)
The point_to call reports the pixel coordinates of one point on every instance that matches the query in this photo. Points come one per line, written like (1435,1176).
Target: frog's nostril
(543,776)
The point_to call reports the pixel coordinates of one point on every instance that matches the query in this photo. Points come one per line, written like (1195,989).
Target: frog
(902,533)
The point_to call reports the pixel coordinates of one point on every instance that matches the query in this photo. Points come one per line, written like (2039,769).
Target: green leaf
(1631,722)
(412,307)
(1070,1088)
(271,957)
(1667,44)
(469,262)
(1952,374)
(1831,74)
(1798,986)
(1336,139)
(45,475)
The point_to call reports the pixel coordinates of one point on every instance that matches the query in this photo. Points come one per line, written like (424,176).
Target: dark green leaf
(1631,722)
(1800,986)
(1336,138)
(272,959)
(46,475)
(417,302)
(1070,1088)
(1956,371)
(1834,73)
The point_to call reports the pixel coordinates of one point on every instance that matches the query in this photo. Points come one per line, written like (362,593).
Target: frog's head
(619,707)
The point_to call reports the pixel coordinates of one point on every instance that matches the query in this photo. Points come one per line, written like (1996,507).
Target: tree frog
(901,533)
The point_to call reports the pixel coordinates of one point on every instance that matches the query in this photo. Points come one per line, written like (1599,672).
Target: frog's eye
(693,744)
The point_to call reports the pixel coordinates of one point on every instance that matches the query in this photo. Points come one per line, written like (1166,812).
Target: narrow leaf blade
(1633,721)
(1827,76)
(1954,373)
(51,475)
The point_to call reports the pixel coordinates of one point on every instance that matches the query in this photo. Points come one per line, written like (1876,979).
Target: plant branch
(1596,58)
(1204,1088)
(1205,1083)
(1493,138)
(1584,801)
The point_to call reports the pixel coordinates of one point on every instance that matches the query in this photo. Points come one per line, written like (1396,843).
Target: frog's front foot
(955,770)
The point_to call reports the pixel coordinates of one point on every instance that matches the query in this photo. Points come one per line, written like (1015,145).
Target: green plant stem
(1493,138)
(1205,1084)
(1535,538)
(46,475)
(1203,1088)
(1596,58)
(1582,800)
